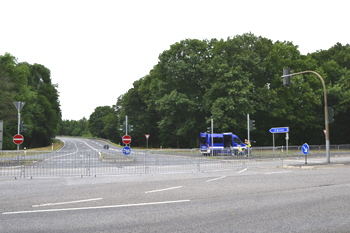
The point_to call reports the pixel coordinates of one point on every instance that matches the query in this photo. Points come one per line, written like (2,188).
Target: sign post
(279,130)
(305,149)
(19,106)
(1,134)
(126,150)
(126,139)
(18,139)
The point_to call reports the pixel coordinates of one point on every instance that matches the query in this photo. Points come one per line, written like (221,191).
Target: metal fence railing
(23,164)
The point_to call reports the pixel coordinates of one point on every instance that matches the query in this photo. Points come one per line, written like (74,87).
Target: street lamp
(286,82)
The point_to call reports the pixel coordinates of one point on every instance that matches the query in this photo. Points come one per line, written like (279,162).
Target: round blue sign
(305,149)
(126,150)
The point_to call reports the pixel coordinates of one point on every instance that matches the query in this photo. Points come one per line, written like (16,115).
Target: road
(76,150)
(248,200)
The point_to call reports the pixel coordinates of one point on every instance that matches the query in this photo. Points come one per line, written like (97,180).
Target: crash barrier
(24,164)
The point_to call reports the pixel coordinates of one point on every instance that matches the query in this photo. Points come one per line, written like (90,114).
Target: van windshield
(238,141)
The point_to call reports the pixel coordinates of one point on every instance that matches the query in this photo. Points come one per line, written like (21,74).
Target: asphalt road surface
(248,200)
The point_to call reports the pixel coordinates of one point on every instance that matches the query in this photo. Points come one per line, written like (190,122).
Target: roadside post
(126,140)
(279,130)
(147,136)
(19,106)
(305,149)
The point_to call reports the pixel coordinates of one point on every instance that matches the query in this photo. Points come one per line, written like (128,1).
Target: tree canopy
(224,80)
(41,114)
(193,82)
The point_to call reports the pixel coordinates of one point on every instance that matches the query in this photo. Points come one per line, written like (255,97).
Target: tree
(195,81)
(178,120)
(41,113)
(97,122)
(47,113)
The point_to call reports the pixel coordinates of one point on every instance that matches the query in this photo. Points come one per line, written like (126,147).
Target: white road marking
(269,173)
(245,169)
(68,202)
(160,190)
(97,207)
(221,177)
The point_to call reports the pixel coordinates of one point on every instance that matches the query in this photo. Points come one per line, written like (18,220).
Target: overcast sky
(97,49)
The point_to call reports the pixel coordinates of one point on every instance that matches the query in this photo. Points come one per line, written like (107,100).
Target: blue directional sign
(126,150)
(305,149)
(279,130)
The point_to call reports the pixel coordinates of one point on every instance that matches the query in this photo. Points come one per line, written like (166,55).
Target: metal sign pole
(273,143)
(19,106)
(212,138)
(248,148)
(126,124)
(287,137)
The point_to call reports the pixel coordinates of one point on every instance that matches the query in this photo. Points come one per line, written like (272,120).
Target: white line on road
(160,190)
(245,169)
(269,173)
(221,177)
(97,207)
(68,202)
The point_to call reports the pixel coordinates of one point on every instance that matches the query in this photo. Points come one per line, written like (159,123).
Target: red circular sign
(126,139)
(18,139)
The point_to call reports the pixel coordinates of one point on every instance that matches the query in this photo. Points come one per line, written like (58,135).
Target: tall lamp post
(286,82)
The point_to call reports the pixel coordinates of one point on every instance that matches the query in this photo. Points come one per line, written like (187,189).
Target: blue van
(220,143)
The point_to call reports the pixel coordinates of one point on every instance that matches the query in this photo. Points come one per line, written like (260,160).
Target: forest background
(193,82)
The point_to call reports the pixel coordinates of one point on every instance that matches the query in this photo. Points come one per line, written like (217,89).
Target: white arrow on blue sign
(279,130)
(305,149)
(126,150)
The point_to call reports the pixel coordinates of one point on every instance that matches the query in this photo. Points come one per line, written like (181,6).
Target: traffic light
(22,127)
(208,129)
(251,125)
(286,77)
(330,115)
(123,127)
(130,128)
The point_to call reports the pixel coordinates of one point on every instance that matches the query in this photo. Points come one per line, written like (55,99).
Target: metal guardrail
(22,164)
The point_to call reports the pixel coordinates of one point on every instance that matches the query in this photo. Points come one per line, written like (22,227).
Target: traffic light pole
(287,75)
(19,106)
(126,124)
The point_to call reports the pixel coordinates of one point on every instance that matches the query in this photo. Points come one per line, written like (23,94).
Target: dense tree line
(196,80)
(75,128)
(224,80)
(41,114)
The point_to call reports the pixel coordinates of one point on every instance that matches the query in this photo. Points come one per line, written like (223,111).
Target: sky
(96,49)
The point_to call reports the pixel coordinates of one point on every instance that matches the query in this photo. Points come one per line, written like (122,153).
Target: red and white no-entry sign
(18,139)
(126,139)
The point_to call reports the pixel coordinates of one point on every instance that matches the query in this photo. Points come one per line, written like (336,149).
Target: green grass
(57,144)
